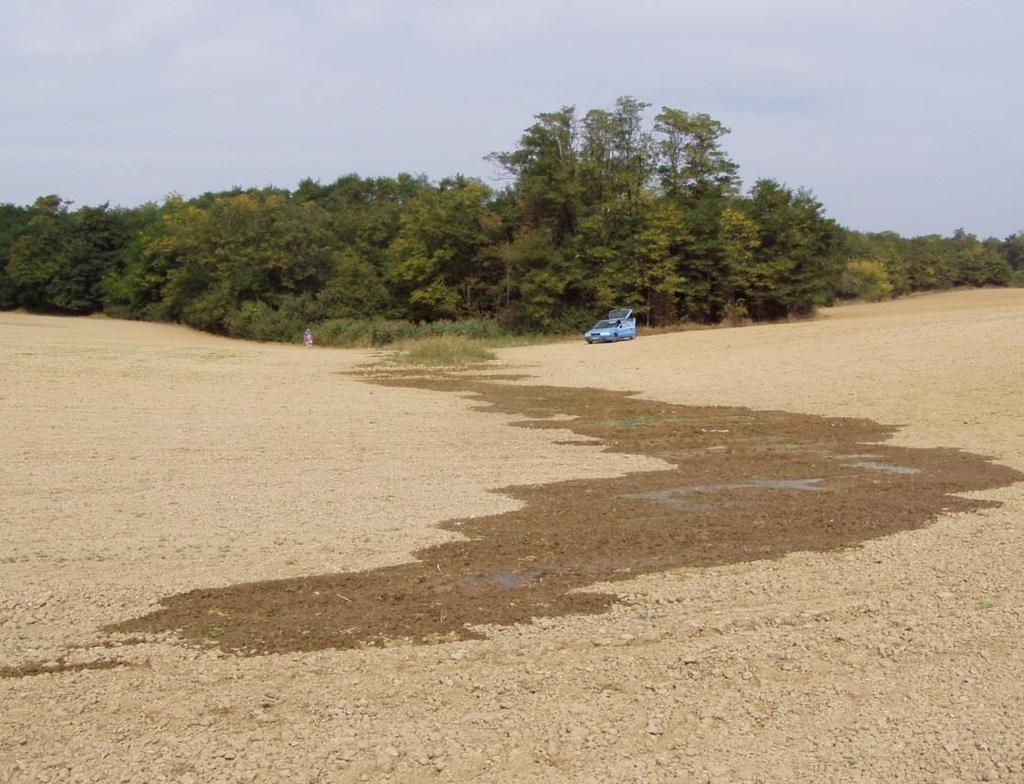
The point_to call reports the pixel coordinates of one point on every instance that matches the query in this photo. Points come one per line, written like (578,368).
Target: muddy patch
(744,485)
(29,669)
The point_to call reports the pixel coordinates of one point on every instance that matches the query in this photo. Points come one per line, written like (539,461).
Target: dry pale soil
(671,591)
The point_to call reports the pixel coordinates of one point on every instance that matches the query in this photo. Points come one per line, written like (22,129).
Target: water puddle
(885,468)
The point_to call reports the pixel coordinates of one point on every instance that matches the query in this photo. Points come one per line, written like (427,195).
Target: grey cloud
(897,114)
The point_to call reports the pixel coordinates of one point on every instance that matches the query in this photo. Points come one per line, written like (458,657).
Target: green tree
(616,157)
(542,284)
(14,222)
(749,282)
(355,288)
(653,253)
(59,261)
(866,279)
(1013,249)
(797,244)
(978,264)
(134,287)
(545,169)
(700,258)
(695,172)
(37,255)
(434,258)
(690,158)
(93,246)
(253,247)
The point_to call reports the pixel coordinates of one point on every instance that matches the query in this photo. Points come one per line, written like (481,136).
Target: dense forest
(599,210)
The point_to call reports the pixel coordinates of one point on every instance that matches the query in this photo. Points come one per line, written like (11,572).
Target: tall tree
(690,157)
(545,168)
(798,243)
(978,264)
(35,257)
(1013,250)
(14,222)
(434,259)
(59,261)
(254,247)
(695,171)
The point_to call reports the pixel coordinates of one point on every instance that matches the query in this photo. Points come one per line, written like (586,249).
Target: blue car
(620,325)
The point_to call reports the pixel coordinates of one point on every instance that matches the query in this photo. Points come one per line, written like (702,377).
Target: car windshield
(604,324)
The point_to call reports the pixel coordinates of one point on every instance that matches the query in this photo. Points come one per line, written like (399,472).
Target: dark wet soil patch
(29,669)
(744,485)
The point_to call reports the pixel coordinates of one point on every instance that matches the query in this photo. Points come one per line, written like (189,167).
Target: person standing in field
(307,338)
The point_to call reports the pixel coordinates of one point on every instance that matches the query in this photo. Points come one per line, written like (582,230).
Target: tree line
(601,209)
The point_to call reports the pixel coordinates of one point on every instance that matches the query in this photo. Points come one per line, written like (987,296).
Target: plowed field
(769,554)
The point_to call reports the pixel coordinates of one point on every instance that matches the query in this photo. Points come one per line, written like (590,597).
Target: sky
(903,116)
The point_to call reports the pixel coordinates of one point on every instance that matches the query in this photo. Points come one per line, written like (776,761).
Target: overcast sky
(898,115)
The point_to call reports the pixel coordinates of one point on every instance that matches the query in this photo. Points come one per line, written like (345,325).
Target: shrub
(735,313)
(349,333)
(258,320)
(866,279)
(442,350)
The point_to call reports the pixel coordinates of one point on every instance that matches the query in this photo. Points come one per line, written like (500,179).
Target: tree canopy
(611,207)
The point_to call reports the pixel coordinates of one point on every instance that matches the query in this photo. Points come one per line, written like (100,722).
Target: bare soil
(740,486)
(803,597)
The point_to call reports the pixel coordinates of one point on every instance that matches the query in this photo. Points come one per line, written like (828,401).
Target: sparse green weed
(442,350)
